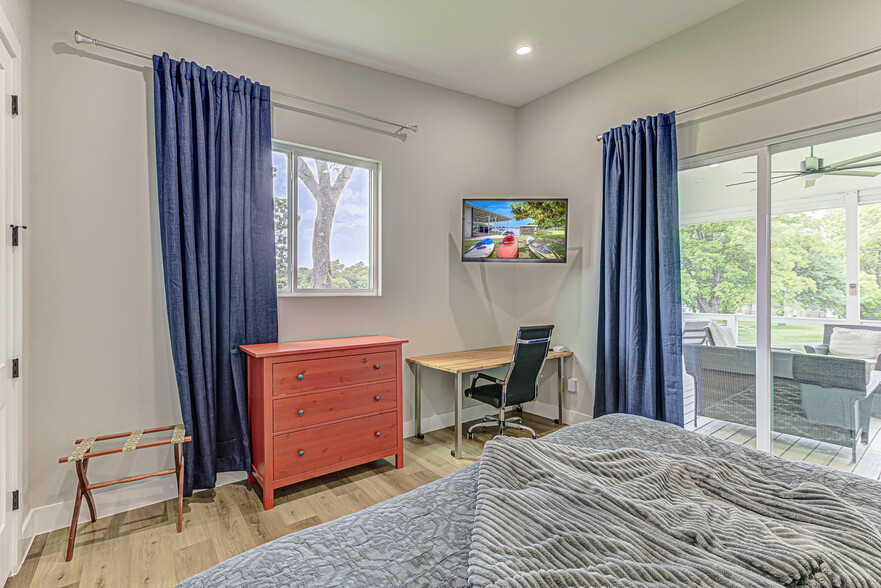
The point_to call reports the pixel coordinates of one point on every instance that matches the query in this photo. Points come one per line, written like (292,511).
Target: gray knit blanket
(557,515)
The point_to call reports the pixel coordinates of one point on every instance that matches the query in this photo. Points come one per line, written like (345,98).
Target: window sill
(329,294)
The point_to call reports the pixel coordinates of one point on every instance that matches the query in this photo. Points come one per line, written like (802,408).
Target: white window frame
(294,150)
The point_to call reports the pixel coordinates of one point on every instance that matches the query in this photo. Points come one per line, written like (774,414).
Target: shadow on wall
(163,362)
(160,343)
(473,307)
(62,48)
(395,135)
(688,131)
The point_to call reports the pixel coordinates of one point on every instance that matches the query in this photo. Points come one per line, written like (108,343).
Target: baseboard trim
(447,419)
(50,517)
(25,540)
(550,411)
(441,421)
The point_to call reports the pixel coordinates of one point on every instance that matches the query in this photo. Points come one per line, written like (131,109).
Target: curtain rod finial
(81,38)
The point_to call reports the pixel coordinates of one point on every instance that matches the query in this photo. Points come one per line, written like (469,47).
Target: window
(326,222)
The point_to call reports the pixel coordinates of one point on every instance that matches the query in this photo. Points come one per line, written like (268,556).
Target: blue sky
(502,207)
(350,235)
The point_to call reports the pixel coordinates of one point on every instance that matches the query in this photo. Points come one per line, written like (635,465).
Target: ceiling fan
(812,169)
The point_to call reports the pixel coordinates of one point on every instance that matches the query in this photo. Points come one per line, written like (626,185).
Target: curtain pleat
(214,171)
(639,339)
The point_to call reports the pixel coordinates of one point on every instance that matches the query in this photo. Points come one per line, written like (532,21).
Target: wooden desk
(474,360)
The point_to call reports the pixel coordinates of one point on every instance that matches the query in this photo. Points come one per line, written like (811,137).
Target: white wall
(100,354)
(754,42)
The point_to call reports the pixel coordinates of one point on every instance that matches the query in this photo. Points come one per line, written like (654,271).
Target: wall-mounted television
(514,229)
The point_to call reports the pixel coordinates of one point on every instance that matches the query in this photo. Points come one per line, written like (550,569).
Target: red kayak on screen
(509,248)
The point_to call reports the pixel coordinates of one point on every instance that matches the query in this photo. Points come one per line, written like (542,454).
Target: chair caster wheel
(519,408)
(556,421)
(453,452)
(420,436)
(533,436)
(471,435)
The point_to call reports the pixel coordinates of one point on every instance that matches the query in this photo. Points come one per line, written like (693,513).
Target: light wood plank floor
(868,462)
(141,547)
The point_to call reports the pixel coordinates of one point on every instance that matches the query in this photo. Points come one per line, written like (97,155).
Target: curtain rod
(81,38)
(777,81)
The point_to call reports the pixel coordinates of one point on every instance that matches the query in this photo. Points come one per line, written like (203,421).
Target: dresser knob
(300,412)
(302,453)
(378,434)
(376,366)
(377,398)
(300,377)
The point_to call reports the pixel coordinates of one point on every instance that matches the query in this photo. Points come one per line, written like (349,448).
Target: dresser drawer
(295,377)
(310,449)
(303,410)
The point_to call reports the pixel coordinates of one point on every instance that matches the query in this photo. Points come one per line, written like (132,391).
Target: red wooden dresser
(315,407)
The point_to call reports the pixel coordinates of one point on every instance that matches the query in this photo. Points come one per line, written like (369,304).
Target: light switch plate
(573,384)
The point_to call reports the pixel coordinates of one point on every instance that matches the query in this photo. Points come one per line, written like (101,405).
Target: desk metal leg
(418,395)
(561,376)
(457,453)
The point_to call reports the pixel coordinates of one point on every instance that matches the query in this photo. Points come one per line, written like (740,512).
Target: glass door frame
(763,151)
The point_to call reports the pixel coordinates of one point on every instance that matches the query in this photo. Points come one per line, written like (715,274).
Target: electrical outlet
(573,384)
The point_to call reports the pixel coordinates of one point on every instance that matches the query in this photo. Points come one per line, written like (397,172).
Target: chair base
(501,422)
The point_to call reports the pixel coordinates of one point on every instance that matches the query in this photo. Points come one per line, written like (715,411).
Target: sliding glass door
(824,350)
(718,252)
(781,282)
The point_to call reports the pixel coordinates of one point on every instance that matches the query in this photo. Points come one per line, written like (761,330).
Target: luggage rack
(82,453)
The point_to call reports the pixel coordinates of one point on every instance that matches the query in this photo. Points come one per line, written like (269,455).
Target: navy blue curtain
(214,168)
(639,340)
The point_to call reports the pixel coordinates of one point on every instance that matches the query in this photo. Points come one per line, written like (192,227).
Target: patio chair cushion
(720,336)
(856,343)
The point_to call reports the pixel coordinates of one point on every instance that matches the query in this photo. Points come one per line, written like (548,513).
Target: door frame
(13,139)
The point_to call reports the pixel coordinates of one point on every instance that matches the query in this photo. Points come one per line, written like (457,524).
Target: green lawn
(553,239)
(794,336)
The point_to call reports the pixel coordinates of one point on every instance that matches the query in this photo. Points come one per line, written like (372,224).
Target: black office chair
(521,382)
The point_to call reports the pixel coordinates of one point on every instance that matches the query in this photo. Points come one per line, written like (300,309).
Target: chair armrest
(480,376)
(819,349)
(492,379)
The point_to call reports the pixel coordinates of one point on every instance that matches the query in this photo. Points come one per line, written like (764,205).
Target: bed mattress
(423,537)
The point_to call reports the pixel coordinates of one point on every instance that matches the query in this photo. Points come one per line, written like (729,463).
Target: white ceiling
(464,45)
(707,189)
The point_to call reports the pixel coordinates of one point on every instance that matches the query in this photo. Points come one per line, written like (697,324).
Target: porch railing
(734,320)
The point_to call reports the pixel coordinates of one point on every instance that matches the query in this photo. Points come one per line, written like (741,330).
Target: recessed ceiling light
(713,165)
(524,49)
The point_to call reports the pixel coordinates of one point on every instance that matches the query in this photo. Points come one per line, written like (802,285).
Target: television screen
(526,229)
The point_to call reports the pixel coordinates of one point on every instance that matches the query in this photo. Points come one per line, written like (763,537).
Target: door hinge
(15,229)
(15,105)
(15,500)
(15,368)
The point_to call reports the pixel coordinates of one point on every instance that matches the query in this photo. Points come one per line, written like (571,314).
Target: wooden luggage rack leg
(83,453)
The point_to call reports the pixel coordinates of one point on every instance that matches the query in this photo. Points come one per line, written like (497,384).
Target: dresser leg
(251,479)
(399,460)
(267,499)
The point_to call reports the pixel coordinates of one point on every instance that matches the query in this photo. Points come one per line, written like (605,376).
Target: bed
(423,537)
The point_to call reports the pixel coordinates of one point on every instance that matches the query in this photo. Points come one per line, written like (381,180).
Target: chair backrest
(821,370)
(530,352)
(738,360)
(827,330)
(693,332)
(830,371)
